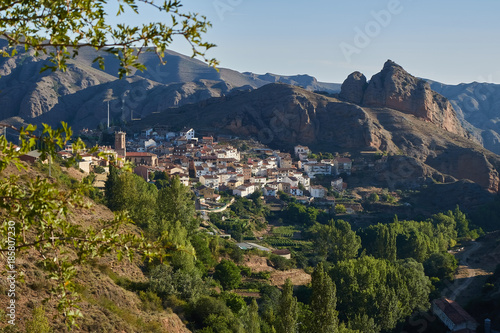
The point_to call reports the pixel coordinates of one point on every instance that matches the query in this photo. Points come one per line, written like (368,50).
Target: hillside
(477,105)
(281,115)
(107,302)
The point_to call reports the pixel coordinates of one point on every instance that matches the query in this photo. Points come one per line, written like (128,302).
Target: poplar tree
(324,317)
(286,318)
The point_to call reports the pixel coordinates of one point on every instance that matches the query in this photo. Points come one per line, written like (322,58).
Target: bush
(280,263)
(150,301)
(228,274)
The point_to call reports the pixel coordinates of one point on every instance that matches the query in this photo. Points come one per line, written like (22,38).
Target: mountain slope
(478,107)
(282,116)
(80,94)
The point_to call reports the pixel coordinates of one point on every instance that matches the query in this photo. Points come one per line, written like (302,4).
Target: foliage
(299,214)
(340,209)
(380,241)
(228,274)
(184,283)
(373,197)
(335,240)
(323,303)
(234,302)
(214,315)
(60,28)
(384,291)
(175,203)
(281,263)
(41,215)
(39,323)
(441,265)
(125,191)
(286,321)
(251,319)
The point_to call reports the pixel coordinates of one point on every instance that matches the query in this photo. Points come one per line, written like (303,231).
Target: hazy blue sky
(450,41)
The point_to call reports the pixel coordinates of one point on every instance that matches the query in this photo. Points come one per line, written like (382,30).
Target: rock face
(477,106)
(353,88)
(282,116)
(395,88)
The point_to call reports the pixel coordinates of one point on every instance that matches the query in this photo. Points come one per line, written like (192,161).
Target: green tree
(380,241)
(228,274)
(323,303)
(340,209)
(111,190)
(441,265)
(287,312)
(373,197)
(60,28)
(175,203)
(384,291)
(252,320)
(335,240)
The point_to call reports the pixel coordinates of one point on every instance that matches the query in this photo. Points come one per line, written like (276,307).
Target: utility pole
(108,114)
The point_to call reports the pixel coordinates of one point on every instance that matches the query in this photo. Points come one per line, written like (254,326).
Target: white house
(344,165)
(270,192)
(148,144)
(210,181)
(317,169)
(301,150)
(318,191)
(296,191)
(188,133)
(244,190)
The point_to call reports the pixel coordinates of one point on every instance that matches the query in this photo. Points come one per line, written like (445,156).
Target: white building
(301,150)
(244,190)
(210,181)
(318,191)
(188,133)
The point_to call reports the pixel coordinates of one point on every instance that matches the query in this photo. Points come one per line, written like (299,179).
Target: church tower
(120,146)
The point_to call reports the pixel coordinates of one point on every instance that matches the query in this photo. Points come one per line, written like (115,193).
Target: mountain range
(432,131)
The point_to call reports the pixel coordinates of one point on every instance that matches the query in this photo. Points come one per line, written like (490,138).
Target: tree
(252,320)
(110,188)
(340,209)
(373,197)
(335,240)
(228,274)
(175,203)
(380,241)
(61,27)
(323,303)
(441,265)
(287,313)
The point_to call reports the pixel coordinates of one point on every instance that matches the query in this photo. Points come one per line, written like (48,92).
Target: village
(213,165)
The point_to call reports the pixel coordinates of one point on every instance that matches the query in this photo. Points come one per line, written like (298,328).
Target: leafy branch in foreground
(41,214)
(61,27)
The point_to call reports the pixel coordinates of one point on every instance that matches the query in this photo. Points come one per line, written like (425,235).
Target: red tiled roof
(453,311)
(138,154)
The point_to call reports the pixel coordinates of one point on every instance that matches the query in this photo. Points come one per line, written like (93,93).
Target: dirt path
(465,272)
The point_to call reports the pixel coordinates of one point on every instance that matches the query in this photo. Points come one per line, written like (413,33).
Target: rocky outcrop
(395,88)
(353,88)
(282,116)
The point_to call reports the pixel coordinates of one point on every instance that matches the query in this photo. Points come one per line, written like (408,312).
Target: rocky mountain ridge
(425,130)
(81,94)
(395,88)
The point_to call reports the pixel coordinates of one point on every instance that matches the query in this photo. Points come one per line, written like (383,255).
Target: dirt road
(465,272)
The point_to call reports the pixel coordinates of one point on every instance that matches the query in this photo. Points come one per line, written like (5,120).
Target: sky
(450,41)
